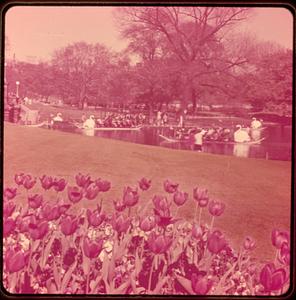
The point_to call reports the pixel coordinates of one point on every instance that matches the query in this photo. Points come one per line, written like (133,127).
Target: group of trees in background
(190,54)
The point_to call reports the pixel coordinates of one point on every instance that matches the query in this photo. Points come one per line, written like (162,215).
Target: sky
(34,32)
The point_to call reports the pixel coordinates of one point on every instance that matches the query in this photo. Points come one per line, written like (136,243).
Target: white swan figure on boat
(240,135)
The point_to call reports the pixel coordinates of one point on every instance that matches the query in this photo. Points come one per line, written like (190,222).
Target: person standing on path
(198,139)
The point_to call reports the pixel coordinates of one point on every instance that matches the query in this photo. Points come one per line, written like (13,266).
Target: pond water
(276,146)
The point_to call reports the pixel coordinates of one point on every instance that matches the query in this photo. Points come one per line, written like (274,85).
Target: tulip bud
(197,231)
(144,184)
(147,223)
(19,178)
(35,201)
(83,180)
(103,185)
(180,198)
(29,182)
(119,205)
(249,243)
(170,187)
(92,249)
(74,194)
(130,197)
(9,193)
(159,243)
(216,208)
(8,209)
(216,242)
(14,261)
(39,230)
(8,226)
(120,223)
(201,196)
(271,278)
(59,184)
(200,284)
(69,225)
(50,213)
(160,203)
(284,255)
(279,237)
(46,182)
(91,191)
(95,218)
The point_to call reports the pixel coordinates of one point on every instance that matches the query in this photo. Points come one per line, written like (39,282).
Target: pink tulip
(249,243)
(8,209)
(103,185)
(144,184)
(92,249)
(201,196)
(160,203)
(147,223)
(91,191)
(197,231)
(271,278)
(19,178)
(170,187)
(216,242)
(95,218)
(201,284)
(35,201)
(75,194)
(8,226)
(9,193)
(119,205)
(180,198)
(279,237)
(50,213)
(29,182)
(163,217)
(216,208)
(59,184)
(159,244)
(120,223)
(14,260)
(46,182)
(39,230)
(83,180)
(284,254)
(130,196)
(24,222)
(63,208)
(69,225)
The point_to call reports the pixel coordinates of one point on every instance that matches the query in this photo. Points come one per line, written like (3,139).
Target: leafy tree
(80,71)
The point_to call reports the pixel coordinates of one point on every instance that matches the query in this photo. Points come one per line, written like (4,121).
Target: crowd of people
(238,134)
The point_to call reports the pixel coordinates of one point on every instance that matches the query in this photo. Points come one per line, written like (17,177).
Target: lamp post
(17,89)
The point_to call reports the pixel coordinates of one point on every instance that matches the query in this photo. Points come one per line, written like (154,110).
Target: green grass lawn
(256,192)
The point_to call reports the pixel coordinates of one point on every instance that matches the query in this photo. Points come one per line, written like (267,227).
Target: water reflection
(277,144)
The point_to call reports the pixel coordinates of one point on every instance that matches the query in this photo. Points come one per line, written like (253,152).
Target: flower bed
(50,249)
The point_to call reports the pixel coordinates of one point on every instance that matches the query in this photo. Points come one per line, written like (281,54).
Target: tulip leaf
(186,283)
(138,264)
(35,245)
(85,264)
(221,283)
(104,269)
(67,277)
(56,275)
(121,289)
(51,287)
(111,270)
(160,284)
(46,252)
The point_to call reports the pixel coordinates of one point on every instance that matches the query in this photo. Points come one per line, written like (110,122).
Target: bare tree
(193,36)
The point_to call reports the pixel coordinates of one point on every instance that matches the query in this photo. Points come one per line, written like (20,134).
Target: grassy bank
(256,192)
